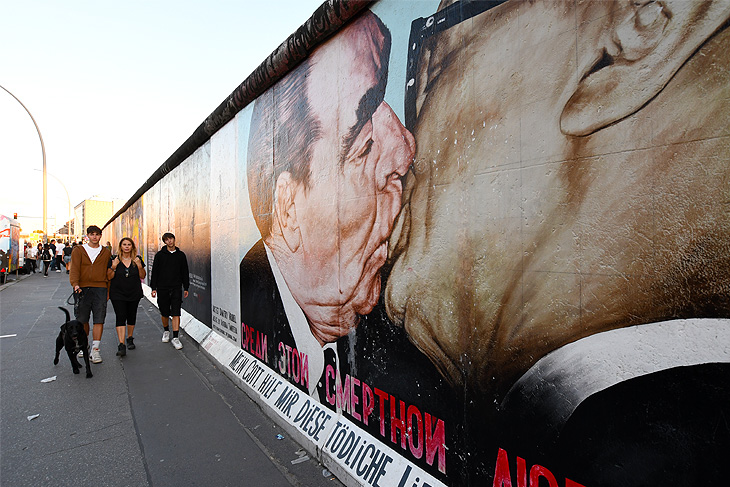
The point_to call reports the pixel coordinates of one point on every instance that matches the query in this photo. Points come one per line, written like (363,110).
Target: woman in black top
(125,290)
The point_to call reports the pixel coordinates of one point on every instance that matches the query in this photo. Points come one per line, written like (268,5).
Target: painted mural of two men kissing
(565,182)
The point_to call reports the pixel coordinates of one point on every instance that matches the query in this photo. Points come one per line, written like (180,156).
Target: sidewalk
(12,279)
(156,417)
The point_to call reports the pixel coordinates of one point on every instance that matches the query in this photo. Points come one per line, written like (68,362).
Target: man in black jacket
(170,282)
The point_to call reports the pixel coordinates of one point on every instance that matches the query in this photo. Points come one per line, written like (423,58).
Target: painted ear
(646,44)
(286,212)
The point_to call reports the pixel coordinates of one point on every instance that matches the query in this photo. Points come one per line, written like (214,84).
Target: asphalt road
(157,417)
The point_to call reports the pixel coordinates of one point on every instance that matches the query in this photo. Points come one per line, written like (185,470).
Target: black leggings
(126,312)
(46,264)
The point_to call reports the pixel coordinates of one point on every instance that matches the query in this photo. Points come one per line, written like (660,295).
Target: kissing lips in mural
(325,161)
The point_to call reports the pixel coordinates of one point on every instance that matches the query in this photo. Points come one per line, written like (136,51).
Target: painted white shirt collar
(305,341)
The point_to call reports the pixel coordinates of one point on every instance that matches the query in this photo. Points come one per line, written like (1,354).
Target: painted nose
(397,148)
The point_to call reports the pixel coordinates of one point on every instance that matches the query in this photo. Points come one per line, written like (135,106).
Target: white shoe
(176,343)
(81,354)
(59,270)
(95,356)
(165,337)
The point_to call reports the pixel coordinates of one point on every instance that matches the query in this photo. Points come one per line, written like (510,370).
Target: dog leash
(76,297)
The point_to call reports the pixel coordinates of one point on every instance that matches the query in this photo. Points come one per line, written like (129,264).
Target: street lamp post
(68,227)
(45,182)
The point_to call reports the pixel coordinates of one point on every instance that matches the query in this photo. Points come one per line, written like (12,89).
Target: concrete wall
(520,273)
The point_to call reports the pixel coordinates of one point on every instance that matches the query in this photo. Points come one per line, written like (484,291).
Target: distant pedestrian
(59,255)
(67,255)
(88,276)
(30,258)
(52,247)
(34,253)
(46,258)
(38,258)
(125,291)
(170,281)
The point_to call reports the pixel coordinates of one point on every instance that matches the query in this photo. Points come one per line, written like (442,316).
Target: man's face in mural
(567,181)
(338,226)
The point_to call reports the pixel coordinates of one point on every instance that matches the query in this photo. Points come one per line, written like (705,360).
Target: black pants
(46,265)
(126,312)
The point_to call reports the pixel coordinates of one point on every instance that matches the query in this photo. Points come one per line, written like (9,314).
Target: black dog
(74,339)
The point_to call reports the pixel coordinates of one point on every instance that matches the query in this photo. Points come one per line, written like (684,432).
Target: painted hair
(284,129)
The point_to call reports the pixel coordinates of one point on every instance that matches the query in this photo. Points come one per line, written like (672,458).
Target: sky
(116,87)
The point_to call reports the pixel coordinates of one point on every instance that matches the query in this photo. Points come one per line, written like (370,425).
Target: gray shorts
(92,301)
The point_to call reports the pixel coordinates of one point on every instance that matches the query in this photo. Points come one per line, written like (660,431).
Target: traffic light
(15,216)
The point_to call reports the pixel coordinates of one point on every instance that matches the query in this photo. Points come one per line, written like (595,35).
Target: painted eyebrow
(367,106)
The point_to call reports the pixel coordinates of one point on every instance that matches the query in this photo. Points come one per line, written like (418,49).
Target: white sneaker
(176,343)
(95,356)
(165,337)
(58,270)
(81,354)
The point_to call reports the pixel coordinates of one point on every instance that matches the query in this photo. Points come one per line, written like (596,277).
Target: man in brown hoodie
(88,277)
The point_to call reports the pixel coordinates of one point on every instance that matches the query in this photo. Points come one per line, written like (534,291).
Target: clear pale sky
(116,88)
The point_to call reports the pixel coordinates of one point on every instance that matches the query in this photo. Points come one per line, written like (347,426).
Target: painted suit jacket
(265,329)
(262,310)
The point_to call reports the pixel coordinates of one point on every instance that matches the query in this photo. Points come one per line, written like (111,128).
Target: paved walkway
(157,417)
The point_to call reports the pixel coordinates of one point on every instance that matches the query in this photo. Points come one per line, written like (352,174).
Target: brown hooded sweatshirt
(85,274)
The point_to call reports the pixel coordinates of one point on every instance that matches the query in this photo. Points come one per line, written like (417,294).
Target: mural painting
(541,208)
(9,244)
(192,223)
(131,224)
(480,243)
(152,233)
